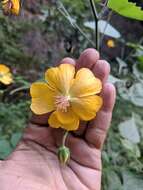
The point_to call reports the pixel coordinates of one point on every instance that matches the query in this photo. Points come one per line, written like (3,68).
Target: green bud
(63,154)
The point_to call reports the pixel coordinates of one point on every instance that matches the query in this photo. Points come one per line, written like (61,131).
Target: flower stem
(96,17)
(63,151)
(64,138)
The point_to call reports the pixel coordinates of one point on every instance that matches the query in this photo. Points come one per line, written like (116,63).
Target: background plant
(46,32)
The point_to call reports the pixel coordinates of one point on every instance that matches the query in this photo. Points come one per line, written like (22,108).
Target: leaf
(132,181)
(136,93)
(113,180)
(5,148)
(128,129)
(104,27)
(122,64)
(127,9)
(113,79)
(131,147)
(123,91)
(15,138)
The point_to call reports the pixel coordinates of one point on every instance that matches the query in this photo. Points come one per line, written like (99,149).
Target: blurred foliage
(12,122)
(39,38)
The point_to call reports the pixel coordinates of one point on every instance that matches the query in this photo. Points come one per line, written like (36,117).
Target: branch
(95,14)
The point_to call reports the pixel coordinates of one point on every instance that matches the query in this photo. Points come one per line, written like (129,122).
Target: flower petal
(52,77)
(85,84)
(86,107)
(4,69)
(57,119)
(42,98)
(15,7)
(53,121)
(66,117)
(61,77)
(6,78)
(71,126)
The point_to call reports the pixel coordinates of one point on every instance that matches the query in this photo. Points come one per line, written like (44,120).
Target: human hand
(34,164)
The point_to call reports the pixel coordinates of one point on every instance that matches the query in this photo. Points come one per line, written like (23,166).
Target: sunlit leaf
(126,8)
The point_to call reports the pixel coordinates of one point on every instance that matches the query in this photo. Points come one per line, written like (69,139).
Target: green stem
(64,138)
(95,14)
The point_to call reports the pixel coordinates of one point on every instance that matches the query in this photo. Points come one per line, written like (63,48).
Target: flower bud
(63,154)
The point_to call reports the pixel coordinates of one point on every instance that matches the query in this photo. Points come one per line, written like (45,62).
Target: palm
(39,155)
(34,165)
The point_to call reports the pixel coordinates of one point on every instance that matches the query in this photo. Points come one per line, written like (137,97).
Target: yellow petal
(61,77)
(85,84)
(70,124)
(6,79)
(43,98)
(53,121)
(86,107)
(4,69)
(52,77)
(15,7)
(66,117)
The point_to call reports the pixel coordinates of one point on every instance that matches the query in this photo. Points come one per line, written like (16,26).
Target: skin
(34,164)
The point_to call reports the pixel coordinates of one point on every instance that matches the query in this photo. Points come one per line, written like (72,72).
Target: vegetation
(46,32)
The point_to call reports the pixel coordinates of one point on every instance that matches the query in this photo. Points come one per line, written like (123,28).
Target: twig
(103,9)
(65,13)
(95,14)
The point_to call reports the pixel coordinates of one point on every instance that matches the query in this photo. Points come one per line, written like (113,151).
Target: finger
(68,60)
(87,59)
(96,133)
(101,70)
(43,119)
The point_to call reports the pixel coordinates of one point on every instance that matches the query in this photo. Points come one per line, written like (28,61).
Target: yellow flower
(5,75)
(111,43)
(70,96)
(11,6)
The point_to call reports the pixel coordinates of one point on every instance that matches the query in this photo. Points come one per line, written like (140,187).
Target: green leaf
(131,147)
(113,79)
(5,148)
(128,129)
(132,181)
(136,92)
(15,138)
(127,9)
(122,64)
(113,180)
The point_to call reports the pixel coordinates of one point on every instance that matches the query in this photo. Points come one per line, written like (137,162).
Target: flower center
(62,103)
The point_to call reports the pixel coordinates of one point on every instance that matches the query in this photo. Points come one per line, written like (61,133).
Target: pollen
(62,103)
